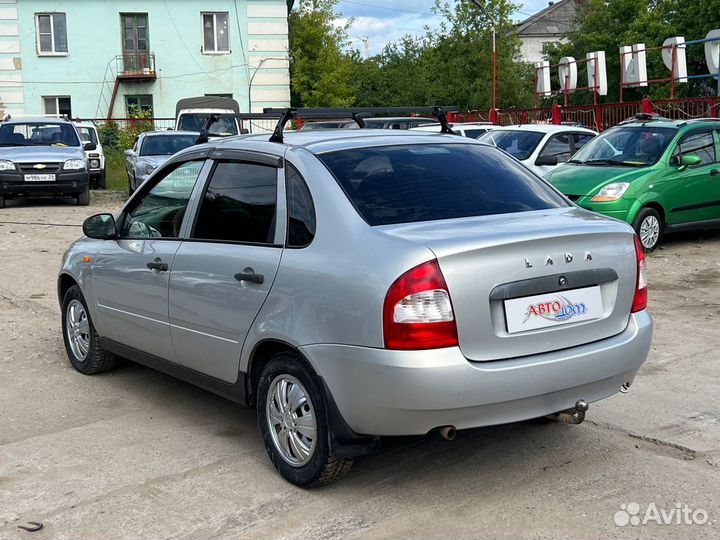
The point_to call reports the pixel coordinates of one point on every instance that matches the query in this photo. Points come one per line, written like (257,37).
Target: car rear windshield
(38,134)
(423,182)
(166,145)
(519,144)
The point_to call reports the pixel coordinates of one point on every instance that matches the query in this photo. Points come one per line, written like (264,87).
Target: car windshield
(87,135)
(626,146)
(38,134)
(411,183)
(166,144)
(519,144)
(224,127)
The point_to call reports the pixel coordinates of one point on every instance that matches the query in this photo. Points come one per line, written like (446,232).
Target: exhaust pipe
(575,416)
(447,432)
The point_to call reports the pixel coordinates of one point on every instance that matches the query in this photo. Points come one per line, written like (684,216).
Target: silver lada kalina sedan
(350,284)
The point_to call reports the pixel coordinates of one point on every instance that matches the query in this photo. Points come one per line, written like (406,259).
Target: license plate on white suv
(553,309)
(39,177)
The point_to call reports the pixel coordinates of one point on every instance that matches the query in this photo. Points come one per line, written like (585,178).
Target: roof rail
(59,116)
(693,120)
(283,115)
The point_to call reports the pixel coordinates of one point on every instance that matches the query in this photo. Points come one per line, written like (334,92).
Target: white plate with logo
(553,309)
(39,177)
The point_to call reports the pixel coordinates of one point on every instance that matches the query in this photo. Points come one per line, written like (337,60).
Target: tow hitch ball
(576,415)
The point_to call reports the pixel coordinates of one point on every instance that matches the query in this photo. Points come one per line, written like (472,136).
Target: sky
(383,21)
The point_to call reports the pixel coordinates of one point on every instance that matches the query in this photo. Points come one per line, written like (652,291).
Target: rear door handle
(158,265)
(714,172)
(249,275)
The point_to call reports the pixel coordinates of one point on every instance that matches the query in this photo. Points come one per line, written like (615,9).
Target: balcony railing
(136,65)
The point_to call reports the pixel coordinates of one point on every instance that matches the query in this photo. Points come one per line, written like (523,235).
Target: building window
(57,105)
(216,38)
(51,34)
(137,104)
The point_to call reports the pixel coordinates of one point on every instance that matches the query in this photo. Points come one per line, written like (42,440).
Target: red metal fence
(601,116)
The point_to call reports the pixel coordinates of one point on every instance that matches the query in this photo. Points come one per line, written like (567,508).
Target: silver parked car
(150,150)
(359,283)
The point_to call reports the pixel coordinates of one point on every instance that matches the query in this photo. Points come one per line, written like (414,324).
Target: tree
(606,25)
(319,69)
(448,66)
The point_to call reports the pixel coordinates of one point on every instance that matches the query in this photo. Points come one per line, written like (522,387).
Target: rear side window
(301,211)
(404,184)
(239,204)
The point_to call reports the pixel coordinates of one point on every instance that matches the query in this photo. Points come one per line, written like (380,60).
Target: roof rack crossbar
(283,115)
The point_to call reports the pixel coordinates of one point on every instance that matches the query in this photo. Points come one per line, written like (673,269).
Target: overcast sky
(382,21)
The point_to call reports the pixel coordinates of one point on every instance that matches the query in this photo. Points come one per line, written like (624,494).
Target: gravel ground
(136,454)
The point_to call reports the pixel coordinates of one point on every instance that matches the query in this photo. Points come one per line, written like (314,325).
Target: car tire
(82,341)
(83,198)
(648,225)
(2,201)
(299,450)
(102,180)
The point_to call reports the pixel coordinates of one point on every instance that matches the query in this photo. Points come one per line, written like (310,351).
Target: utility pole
(493,112)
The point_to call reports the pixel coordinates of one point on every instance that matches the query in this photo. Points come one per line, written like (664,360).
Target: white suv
(96,158)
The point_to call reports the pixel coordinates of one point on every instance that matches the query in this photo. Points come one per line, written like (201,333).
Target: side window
(239,204)
(698,143)
(581,139)
(301,211)
(159,214)
(558,146)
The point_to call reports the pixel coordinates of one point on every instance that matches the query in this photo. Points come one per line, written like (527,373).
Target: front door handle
(249,275)
(714,172)
(158,265)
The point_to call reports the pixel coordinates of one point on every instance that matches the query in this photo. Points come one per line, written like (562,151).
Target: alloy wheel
(649,231)
(291,420)
(77,327)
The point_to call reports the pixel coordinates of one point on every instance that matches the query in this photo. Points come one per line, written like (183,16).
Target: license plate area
(40,178)
(553,309)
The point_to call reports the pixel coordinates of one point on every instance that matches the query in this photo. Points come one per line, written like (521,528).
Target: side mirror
(688,160)
(129,153)
(100,227)
(548,160)
(89,146)
(244,131)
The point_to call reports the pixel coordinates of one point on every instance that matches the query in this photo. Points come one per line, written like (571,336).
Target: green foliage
(451,66)
(319,69)
(114,136)
(116,177)
(605,25)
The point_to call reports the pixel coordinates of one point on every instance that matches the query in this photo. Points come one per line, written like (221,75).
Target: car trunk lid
(500,268)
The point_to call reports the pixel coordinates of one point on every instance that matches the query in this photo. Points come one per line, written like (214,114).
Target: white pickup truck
(191,114)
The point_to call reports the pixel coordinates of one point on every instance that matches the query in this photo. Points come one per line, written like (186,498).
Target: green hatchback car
(658,175)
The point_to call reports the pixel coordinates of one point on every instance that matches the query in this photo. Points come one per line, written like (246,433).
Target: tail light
(641,296)
(418,313)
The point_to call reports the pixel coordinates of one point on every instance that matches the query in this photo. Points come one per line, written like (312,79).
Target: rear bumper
(66,183)
(383,392)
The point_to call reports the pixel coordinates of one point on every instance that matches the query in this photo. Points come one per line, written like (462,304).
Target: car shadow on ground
(539,444)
